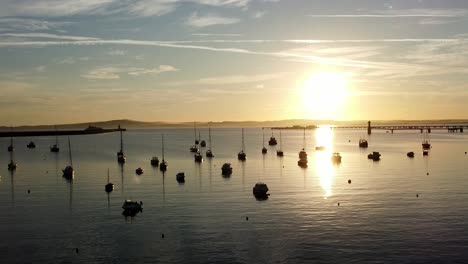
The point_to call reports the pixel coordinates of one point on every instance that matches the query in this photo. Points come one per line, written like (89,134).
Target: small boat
(302,163)
(163,164)
(55,148)
(12,165)
(260,191)
(425,152)
(226,169)
(336,157)
(155,161)
(139,171)
(272,141)
(320,148)
(31,145)
(203,143)
(410,154)
(209,153)
(10,147)
(194,148)
(280,152)
(375,156)
(109,187)
(241,155)
(363,143)
(426,144)
(198,157)
(132,207)
(120,155)
(180,177)
(69,172)
(303,155)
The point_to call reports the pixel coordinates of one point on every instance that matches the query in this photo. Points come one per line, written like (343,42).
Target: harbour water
(396,210)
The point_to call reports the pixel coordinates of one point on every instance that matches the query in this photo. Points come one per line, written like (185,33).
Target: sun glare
(324,94)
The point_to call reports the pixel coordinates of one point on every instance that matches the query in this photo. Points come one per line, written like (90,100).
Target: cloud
(209,20)
(259,14)
(29,24)
(71,60)
(216,35)
(114,73)
(41,68)
(45,36)
(398,13)
(229,79)
(61,8)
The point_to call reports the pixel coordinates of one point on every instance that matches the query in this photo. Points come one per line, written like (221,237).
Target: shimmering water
(379,219)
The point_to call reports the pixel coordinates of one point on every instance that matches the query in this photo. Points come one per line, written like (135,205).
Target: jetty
(451,128)
(40,133)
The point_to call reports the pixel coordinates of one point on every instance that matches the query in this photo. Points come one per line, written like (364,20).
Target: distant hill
(126,123)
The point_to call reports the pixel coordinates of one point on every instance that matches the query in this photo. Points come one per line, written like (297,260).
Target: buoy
(349,140)
(465,152)
(349,181)
(29,191)
(417,195)
(77,250)
(427,173)
(162,235)
(247,218)
(338,204)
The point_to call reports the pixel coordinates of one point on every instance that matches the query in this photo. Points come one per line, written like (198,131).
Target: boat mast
(121,140)
(107,175)
(263,132)
(195,130)
(69,152)
(56,136)
(209,137)
(243,145)
(162,140)
(303,141)
(281,142)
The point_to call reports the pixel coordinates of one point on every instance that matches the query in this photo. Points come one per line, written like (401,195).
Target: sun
(324,94)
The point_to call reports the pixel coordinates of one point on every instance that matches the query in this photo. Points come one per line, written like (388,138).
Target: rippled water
(380,219)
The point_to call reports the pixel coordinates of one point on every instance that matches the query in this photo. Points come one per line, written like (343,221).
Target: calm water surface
(379,220)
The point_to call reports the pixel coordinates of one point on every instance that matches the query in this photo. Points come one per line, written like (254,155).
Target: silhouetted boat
(55,148)
(155,161)
(139,171)
(226,169)
(69,172)
(375,156)
(163,164)
(425,152)
(10,147)
(131,208)
(109,186)
(12,165)
(264,149)
(260,191)
(195,132)
(303,154)
(272,141)
(120,155)
(410,154)
(426,144)
(180,177)
(198,157)
(363,143)
(280,152)
(209,153)
(241,155)
(31,145)
(203,143)
(336,157)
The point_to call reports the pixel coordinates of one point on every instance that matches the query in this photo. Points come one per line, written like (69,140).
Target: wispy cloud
(209,20)
(41,68)
(70,60)
(113,73)
(115,52)
(216,35)
(226,80)
(29,24)
(398,13)
(45,36)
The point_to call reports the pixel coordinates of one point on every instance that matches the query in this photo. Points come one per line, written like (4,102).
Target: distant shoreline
(284,124)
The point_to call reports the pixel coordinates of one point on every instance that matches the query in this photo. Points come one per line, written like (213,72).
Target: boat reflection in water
(324,167)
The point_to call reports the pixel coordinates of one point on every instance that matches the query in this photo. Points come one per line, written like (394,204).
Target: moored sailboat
(120,155)
(55,148)
(264,149)
(241,155)
(280,152)
(209,152)
(163,164)
(69,172)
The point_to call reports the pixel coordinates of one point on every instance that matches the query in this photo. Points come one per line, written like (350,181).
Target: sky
(67,61)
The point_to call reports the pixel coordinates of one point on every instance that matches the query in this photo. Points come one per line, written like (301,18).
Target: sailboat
(109,186)
(303,154)
(426,144)
(202,142)
(163,164)
(12,165)
(264,150)
(120,155)
(272,141)
(279,152)
(194,148)
(69,172)
(55,147)
(241,155)
(198,157)
(209,153)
